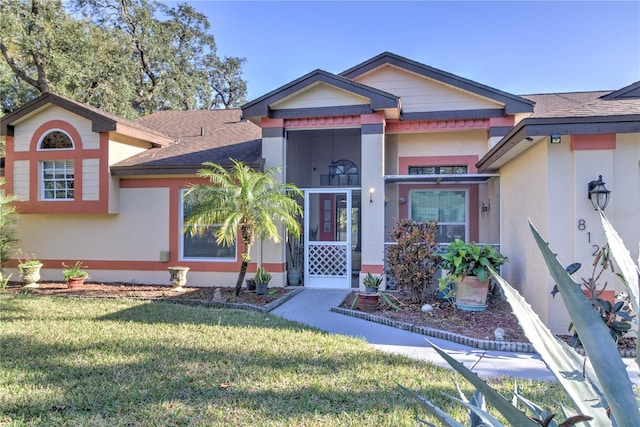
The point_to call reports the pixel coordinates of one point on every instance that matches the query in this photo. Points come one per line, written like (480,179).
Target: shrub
(413,261)
(7,225)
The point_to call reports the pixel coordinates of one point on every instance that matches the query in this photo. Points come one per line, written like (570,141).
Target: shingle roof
(582,104)
(101,121)
(201,136)
(569,114)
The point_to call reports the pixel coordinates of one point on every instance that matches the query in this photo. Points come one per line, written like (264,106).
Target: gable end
(513,104)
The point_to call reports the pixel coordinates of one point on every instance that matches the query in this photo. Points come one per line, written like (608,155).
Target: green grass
(75,362)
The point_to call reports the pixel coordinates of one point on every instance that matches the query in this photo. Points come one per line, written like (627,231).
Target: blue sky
(516,46)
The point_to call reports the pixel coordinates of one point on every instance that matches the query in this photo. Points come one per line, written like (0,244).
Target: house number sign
(582,226)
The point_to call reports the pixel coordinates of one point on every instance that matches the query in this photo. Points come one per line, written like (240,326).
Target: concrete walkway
(312,307)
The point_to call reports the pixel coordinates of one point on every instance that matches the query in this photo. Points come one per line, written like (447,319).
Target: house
(388,138)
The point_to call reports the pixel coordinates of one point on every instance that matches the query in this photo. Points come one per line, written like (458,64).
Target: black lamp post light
(598,194)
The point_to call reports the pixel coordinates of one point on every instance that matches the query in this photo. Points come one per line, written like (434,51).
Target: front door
(327,226)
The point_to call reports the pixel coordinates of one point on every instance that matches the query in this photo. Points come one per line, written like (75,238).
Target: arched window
(57,177)
(56,140)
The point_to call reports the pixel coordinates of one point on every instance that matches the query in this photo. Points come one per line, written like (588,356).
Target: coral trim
(593,142)
(371,268)
(321,122)
(396,126)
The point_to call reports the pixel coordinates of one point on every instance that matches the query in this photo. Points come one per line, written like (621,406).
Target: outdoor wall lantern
(371,190)
(555,138)
(333,168)
(598,194)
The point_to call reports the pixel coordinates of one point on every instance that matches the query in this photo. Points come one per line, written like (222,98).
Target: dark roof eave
(543,126)
(98,123)
(141,170)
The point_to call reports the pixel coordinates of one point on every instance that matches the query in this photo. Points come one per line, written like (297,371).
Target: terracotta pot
(368,301)
(471,294)
(75,282)
(603,295)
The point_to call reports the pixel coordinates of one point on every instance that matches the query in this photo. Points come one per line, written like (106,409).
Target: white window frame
(466,207)
(73,144)
(43,181)
(181,231)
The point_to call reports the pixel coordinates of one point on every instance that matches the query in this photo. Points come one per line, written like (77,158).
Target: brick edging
(518,347)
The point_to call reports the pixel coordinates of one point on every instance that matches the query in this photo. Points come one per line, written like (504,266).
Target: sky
(518,47)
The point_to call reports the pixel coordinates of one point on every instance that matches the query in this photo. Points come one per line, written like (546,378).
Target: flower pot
(606,295)
(471,294)
(293,277)
(370,289)
(261,288)
(75,282)
(250,284)
(368,301)
(178,277)
(30,274)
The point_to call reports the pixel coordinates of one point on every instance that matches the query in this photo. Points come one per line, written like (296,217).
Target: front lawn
(72,362)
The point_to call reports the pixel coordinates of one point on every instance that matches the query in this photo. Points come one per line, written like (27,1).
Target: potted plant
(468,268)
(372,282)
(262,279)
(29,269)
(294,259)
(75,275)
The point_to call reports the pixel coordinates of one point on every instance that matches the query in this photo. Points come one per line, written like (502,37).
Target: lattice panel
(328,260)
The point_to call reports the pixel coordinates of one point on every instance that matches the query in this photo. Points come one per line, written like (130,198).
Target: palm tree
(245,200)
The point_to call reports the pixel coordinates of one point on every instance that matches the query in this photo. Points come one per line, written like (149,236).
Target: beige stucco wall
(442,144)
(372,212)
(25,129)
(521,200)
(548,184)
(320,95)
(267,251)
(420,94)
(138,233)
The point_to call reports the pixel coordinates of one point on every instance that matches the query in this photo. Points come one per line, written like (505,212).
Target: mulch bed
(160,292)
(444,316)
(473,324)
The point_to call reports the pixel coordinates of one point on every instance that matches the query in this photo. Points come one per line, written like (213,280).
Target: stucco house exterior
(388,138)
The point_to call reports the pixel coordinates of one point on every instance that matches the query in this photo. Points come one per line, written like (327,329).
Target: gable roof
(513,103)
(101,121)
(200,136)
(378,98)
(631,91)
(568,114)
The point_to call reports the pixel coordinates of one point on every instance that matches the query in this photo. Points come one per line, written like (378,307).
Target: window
(204,246)
(449,208)
(57,180)
(437,170)
(57,175)
(56,140)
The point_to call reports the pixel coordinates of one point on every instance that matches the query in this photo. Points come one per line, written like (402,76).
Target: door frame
(312,278)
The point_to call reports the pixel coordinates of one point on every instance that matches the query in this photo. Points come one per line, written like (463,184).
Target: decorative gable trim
(378,99)
(513,103)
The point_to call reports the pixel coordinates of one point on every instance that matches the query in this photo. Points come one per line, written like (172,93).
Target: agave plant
(597,385)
